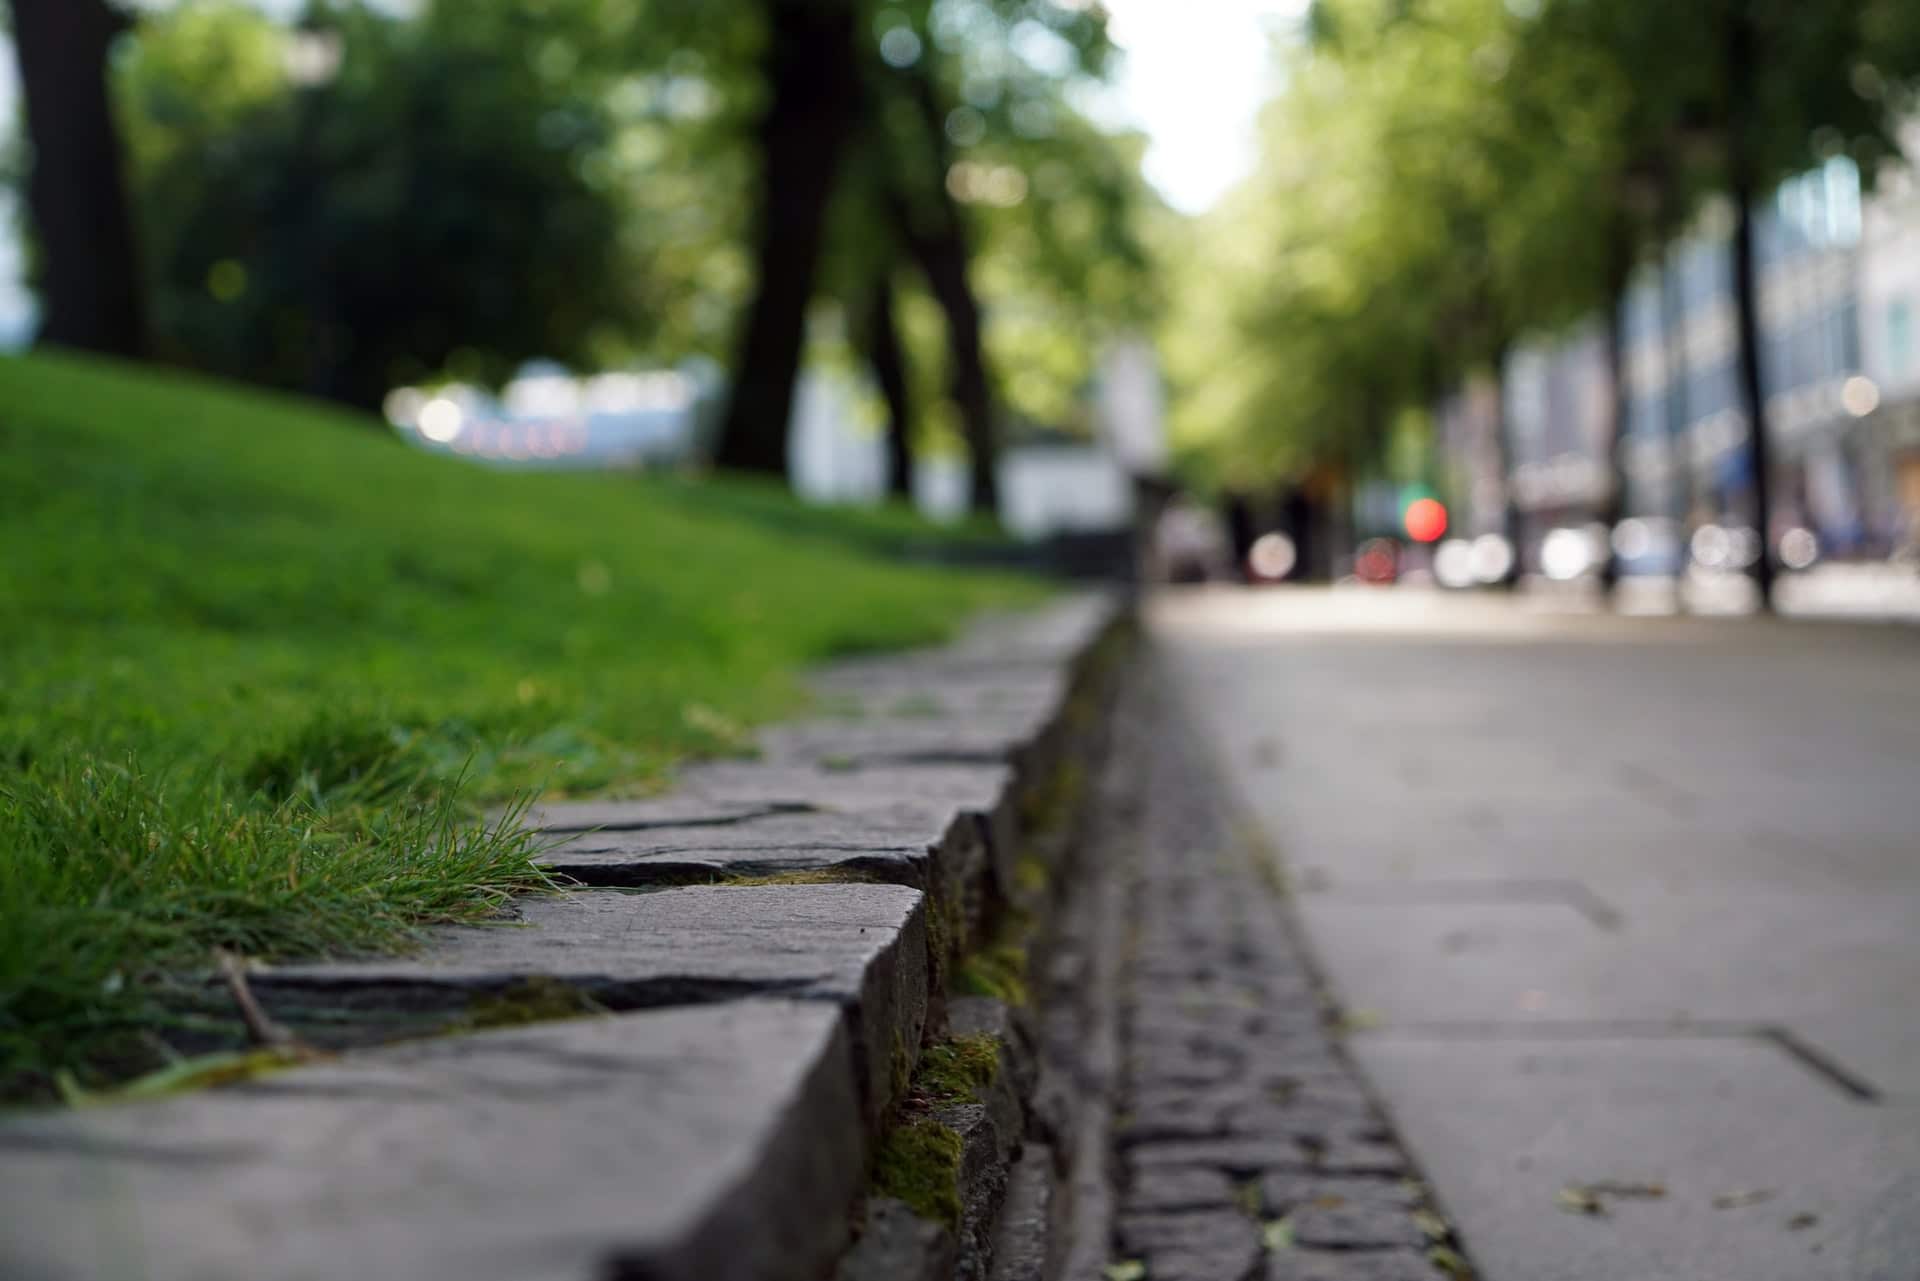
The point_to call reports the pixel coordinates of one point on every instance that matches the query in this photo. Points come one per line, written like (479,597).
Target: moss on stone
(957,1069)
(946,929)
(538,999)
(1031,877)
(998,970)
(1049,804)
(919,1163)
(812,876)
(899,1066)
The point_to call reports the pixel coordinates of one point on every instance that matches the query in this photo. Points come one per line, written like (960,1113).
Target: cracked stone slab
(711,1144)
(906,843)
(737,792)
(860,947)
(908,825)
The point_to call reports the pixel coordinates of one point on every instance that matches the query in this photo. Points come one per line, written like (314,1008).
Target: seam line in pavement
(1803,1052)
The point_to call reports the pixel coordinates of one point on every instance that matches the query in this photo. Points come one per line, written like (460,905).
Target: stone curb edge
(717,1120)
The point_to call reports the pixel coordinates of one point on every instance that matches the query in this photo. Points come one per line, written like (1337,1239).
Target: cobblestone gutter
(695,1067)
(1219,1133)
(1189,1114)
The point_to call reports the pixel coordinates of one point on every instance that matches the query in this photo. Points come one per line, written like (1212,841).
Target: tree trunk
(943,260)
(1503,448)
(76,192)
(1741,184)
(1679,415)
(880,336)
(1752,394)
(935,233)
(1613,500)
(812,77)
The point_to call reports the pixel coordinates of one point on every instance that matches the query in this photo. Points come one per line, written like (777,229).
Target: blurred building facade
(1839,277)
(1890,343)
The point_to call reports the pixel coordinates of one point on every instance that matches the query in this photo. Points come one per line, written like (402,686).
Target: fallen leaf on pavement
(1802,1220)
(1590,1198)
(1628,1190)
(1575,1199)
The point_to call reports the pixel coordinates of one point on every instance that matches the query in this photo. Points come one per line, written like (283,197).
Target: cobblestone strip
(1245,1146)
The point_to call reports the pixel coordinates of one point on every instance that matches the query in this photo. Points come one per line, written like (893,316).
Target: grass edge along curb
(302,650)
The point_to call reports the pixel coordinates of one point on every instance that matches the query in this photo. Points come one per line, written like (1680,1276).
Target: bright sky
(1195,75)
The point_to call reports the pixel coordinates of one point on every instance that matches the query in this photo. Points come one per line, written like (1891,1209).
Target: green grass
(260,665)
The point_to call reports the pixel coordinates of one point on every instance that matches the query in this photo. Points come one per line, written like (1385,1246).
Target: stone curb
(725,1138)
(860,947)
(712,1143)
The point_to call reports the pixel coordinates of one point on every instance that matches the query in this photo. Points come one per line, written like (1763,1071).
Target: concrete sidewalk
(1625,913)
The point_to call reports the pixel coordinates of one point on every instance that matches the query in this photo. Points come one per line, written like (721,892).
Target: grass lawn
(260,666)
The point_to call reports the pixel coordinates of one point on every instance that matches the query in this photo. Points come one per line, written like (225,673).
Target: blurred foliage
(480,182)
(1439,178)
(1053,205)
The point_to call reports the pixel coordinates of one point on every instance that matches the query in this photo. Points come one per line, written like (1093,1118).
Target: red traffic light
(1425,519)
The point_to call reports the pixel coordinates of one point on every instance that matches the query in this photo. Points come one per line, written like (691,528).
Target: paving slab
(1618,899)
(1502,1127)
(713,1144)
(862,948)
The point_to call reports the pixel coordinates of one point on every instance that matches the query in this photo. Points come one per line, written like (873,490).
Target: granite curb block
(860,947)
(705,1067)
(718,1143)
